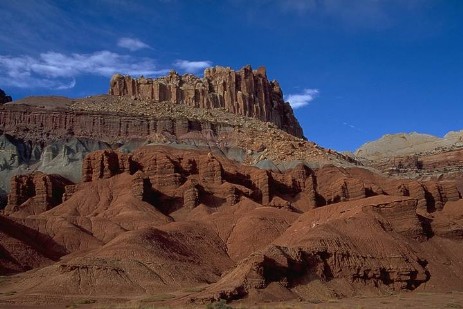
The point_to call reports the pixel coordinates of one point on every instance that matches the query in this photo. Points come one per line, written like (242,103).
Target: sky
(353,70)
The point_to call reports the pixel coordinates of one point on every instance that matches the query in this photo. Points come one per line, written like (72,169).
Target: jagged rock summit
(245,92)
(4,98)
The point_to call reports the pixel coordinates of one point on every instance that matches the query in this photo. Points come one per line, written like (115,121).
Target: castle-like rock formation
(246,92)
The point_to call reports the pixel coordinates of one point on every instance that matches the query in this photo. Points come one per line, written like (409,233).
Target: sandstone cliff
(188,178)
(245,92)
(35,193)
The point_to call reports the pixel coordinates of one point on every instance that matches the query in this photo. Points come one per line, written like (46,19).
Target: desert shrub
(221,304)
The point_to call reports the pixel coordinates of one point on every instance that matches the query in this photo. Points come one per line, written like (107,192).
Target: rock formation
(194,221)
(4,98)
(35,193)
(189,177)
(55,133)
(409,144)
(418,156)
(244,92)
(162,219)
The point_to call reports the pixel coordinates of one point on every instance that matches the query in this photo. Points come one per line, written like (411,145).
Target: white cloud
(302,99)
(192,66)
(49,69)
(69,85)
(349,125)
(132,44)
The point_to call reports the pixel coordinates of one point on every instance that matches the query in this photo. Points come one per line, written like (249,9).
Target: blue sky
(353,69)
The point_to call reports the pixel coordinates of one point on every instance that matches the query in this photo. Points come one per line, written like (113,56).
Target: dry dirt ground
(403,300)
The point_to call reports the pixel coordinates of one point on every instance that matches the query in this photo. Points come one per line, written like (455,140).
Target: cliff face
(245,92)
(35,193)
(172,173)
(187,178)
(56,136)
(37,124)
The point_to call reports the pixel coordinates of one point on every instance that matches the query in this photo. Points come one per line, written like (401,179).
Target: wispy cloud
(47,24)
(347,124)
(302,99)
(49,69)
(132,44)
(192,66)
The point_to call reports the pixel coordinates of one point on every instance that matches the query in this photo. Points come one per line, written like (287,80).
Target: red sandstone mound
(200,227)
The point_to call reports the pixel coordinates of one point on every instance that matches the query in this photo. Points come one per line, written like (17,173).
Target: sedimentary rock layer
(37,124)
(35,193)
(187,178)
(245,92)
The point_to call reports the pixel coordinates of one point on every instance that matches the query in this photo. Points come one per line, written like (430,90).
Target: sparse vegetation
(314,301)
(85,301)
(221,304)
(78,302)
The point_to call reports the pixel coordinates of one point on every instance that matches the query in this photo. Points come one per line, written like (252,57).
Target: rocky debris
(35,193)
(245,92)
(4,98)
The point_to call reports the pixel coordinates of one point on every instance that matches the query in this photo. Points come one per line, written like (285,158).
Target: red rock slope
(198,227)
